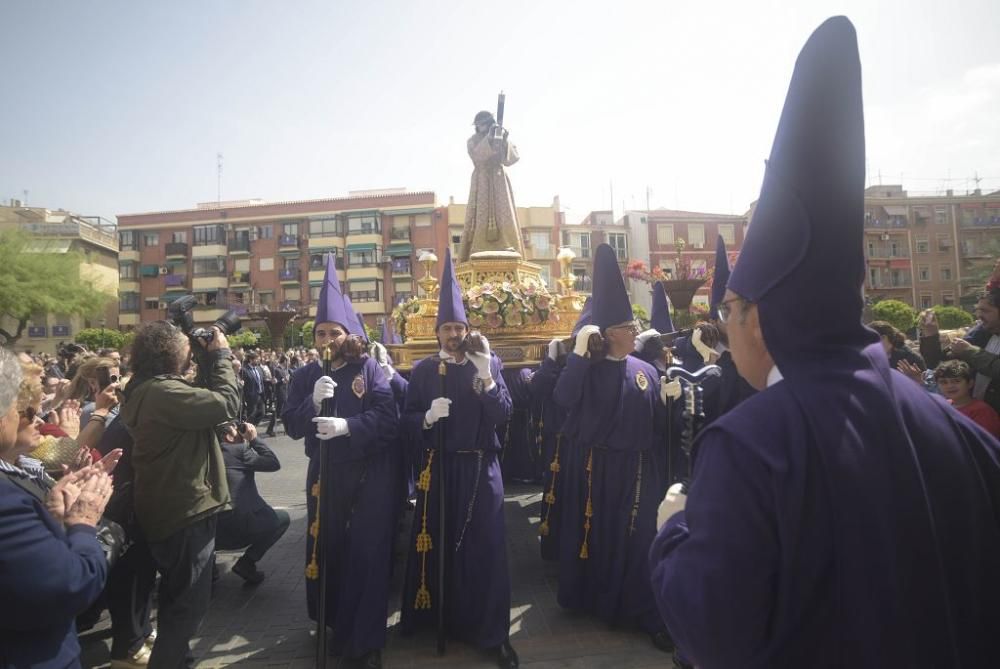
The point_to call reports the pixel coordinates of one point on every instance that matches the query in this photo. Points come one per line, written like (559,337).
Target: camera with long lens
(180,314)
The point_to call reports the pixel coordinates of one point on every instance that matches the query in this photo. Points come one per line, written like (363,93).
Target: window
(401,228)
(126,302)
(940,215)
(290,263)
(314,292)
(266,298)
(456,242)
(923,246)
(871,249)
(948,299)
(699,267)
(585,245)
(546,274)
(209,266)
(899,278)
(326,227)
(241,265)
(944,243)
(126,240)
(290,229)
(696,235)
(926,301)
(946,272)
(728,233)
(668,266)
(873,277)
(215,298)
(151,303)
(150,239)
(364,291)
(265,232)
(422,221)
(126,270)
(293,293)
(665,234)
(402,286)
(363,224)
(923,273)
(894,249)
(362,258)
(266,264)
(209,234)
(179,237)
(619,242)
(539,241)
(401,266)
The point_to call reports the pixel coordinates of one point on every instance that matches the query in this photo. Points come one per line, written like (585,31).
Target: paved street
(267,626)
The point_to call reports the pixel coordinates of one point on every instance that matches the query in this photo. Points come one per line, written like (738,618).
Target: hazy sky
(112,107)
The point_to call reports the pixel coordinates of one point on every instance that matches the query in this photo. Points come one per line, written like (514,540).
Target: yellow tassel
(314,530)
(312,571)
(424,543)
(543,529)
(589,511)
(550,496)
(423,600)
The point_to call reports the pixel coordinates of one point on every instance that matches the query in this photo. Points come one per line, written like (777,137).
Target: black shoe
(246,569)
(371,660)
(662,641)
(506,657)
(215,572)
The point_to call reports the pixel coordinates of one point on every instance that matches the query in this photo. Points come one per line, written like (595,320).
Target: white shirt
(774,376)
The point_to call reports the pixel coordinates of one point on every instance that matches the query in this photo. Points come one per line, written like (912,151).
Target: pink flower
(475,320)
(493,320)
(542,302)
(474,292)
(491,306)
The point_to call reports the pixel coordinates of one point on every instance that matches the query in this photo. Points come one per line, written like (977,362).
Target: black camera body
(180,314)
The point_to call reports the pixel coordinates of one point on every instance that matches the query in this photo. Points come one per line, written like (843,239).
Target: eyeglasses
(632,328)
(725,310)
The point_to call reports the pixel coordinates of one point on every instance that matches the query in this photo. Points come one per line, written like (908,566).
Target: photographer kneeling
(179,473)
(252,524)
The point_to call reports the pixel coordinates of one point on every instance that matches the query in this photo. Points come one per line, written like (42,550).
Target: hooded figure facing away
(841,517)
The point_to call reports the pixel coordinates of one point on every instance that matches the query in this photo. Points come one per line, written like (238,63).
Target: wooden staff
(442,374)
(328,409)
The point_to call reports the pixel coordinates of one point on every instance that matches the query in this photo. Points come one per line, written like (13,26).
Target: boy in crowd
(955,381)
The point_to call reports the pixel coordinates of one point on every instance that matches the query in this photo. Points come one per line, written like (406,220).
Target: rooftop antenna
(218,192)
(24,192)
(648,191)
(977,179)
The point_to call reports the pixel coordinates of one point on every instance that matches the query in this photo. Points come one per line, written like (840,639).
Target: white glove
(482,362)
(323,390)
(582,337)
(554,349)
(330,428)
(672,503)
(669,390)
(440,408)
(381,356)
(707,354)
(643,337)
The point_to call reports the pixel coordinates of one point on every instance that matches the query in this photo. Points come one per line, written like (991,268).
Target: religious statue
(490,217)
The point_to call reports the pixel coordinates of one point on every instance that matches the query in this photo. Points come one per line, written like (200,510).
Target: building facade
(58,231)
(249,256)
(929,250)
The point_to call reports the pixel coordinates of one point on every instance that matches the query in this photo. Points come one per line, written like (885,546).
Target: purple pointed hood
(334,306)
(450,307)
(388,333)
(802,260)
(659,317)
(720,278)
(611,302)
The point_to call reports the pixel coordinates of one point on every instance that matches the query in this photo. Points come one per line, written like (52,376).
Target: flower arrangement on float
(504,305)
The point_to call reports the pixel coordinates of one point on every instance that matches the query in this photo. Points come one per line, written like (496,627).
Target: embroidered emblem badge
(478,385)
(358,386)
(641,381)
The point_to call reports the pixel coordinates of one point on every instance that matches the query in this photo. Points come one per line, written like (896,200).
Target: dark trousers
(258,536)
(255,409)
(130,599)
(184,560)
(279,405)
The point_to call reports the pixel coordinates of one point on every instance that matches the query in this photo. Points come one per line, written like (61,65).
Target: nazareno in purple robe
(361,504)
(552,416)
(477,593)
(615,424)
(520,456)
(841,517)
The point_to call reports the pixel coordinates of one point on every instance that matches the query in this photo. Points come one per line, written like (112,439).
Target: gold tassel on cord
(589,511)
(638,494)
(424,544)
(312,569)
(550,496)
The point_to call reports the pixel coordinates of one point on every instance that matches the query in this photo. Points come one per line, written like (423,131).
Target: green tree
(98,338)
(952,318)
(47,283)
(307,333)
(641,315)
(898,314)
(244,338)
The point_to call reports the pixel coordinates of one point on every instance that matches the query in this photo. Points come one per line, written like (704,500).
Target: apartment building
(927,250)
(598,227)
(251,255)
(700,231)
(60,231)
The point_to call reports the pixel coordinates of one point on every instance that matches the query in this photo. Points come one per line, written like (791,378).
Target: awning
(207,290)
(48,246)
(362,284)
(894,210)
(170,297)
(361,247)
(400,249)
(899,263)
(316,283)
(408,212)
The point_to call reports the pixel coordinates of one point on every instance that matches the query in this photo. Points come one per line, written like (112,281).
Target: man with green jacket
(179,474)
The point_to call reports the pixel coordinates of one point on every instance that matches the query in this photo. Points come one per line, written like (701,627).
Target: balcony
(240,279)
(971,251)
(893,222)
(174,281)
(289,275)
(239,246)
(177,250)
(583,284)
(981,222)
(403,297)
(213,250)
(401,267)
(205,271)
(289,242)
(400,235)
(148,271)
(290,305)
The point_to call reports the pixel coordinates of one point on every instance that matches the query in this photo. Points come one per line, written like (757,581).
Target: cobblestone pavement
(267,625)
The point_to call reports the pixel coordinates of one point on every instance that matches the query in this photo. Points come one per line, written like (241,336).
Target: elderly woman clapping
(51,564)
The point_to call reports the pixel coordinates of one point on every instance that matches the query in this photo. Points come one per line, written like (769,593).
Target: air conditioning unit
(164,270)
(697,246)
(386,260)
(161,305)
